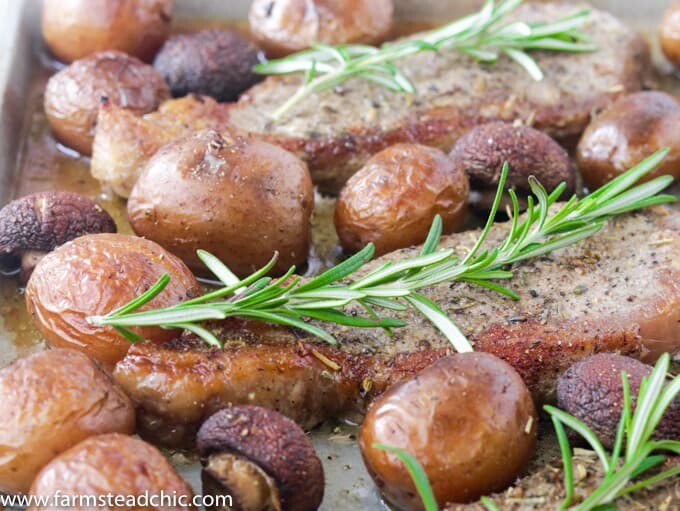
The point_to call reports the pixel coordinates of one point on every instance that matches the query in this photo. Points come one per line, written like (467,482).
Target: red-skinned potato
(73,29)
(393,199)
(669,33)
(286,26)
(240,200)
(632,128)
(93,275)
(50,401)
(468,419)
(73,95)
(113,465)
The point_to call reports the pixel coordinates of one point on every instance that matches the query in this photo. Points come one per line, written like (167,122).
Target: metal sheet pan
(348,485)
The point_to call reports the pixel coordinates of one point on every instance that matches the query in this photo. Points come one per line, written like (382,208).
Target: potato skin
(286,26)
(468,419)
(240,200)
(73,95)
(93,275)
(112,464)
(669,33)
(393,199)
(73,29)
(632,128)
(216,63)
(50,401)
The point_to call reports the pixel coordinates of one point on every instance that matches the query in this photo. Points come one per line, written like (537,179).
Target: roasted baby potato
(216,63)
(73,29)
(393,199)
(93,275)
(50,401)
(468,419)
(73,95)
(632,128)
(240,200)
(113,466)
(286,26)
(669,33)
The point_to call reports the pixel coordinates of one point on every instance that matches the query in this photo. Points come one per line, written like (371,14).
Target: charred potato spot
(38,223)
(482,152)
(215,63)
(632,128)
(264,204)
(96,274)
(669,34)
(286,26)
(468,419)
(393,199)
(592,390)
(112,465)
(262,457)
(73,29)
(50,401)
(74,94)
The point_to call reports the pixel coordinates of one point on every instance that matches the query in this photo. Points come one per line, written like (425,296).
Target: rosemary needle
(544,227)
(484,36)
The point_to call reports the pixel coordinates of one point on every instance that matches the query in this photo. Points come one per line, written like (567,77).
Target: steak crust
(618,291)
(336,131)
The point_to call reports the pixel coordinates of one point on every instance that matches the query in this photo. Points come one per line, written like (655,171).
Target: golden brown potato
(93,275)
(49,402)
(73,29)
(286,26)
(240,200)
(393,199)
(110,467)
(632,128)
(468,419)
(669,33)
(73,95)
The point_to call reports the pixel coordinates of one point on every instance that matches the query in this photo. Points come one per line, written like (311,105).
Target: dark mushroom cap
(215,63)
(273,442)
(482,151)
(42,221)
(592,391)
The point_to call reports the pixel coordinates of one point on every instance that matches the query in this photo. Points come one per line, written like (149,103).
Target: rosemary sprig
(642,453)
(482,35)
(634,432)
(394,286)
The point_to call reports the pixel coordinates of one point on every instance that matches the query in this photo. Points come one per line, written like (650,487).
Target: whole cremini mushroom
(261,458)
(592,390)
(49,402)
(285,26)
(632,128)
(482,151)
(114,469)
(38,223)
(669,33)
(242,200)
(216,63)
(73,29)
(74,94)
(468,419)
(94,275)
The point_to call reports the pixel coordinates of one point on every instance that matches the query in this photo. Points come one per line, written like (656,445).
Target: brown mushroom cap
(483,150)
(42,221)
(592,391)
(216,63)
(274,443)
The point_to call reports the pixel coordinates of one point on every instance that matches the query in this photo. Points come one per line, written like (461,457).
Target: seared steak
(335,132)
(617,291)
(338,130)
